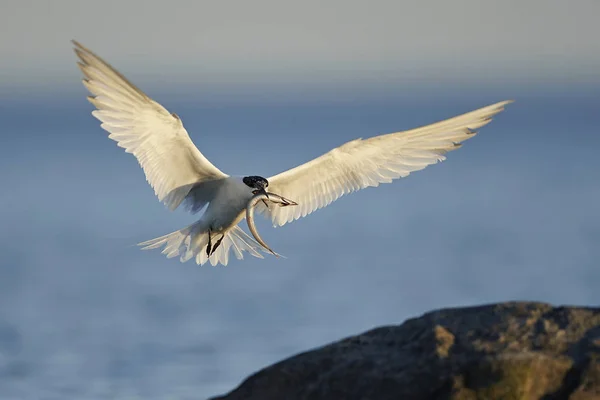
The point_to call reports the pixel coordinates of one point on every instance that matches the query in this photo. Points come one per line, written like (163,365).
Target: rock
(502,351)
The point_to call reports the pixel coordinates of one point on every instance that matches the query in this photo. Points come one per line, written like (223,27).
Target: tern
(180,174)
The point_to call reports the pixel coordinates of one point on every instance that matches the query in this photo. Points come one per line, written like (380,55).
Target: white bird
(179,173)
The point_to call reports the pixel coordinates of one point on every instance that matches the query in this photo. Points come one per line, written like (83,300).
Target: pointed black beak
(263,191)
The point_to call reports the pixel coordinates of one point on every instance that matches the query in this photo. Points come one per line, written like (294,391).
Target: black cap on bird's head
(258,183)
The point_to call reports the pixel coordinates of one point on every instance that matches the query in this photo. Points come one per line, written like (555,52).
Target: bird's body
(229,198)
(180,174)
(228,205)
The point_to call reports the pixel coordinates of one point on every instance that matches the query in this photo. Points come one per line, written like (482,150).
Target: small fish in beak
(262,192)
(264,196)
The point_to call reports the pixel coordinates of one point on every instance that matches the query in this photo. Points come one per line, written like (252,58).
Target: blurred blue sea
(512,215)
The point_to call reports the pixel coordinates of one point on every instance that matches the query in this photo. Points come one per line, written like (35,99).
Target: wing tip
(79,48)
(504,103)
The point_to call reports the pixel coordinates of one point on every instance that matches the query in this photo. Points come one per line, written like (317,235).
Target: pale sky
(304,41)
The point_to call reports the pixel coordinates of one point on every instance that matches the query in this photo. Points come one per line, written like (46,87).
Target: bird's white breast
(228,205)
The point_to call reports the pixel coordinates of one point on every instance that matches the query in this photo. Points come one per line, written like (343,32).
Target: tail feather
(191,241)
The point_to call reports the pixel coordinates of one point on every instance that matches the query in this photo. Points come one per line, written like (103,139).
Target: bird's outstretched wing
(362,163)
(143,127)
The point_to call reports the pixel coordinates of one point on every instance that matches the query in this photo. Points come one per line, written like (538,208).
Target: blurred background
(263,86)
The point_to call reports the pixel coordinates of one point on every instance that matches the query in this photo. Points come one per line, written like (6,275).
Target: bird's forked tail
(191,242)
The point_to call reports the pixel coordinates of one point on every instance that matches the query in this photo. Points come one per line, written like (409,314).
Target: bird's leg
(208,247)
(217,244)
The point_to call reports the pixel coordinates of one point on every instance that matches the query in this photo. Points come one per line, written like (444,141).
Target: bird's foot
(209,246)
(217,244)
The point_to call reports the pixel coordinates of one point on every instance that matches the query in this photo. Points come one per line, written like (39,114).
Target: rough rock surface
(502,351)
